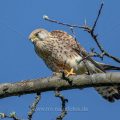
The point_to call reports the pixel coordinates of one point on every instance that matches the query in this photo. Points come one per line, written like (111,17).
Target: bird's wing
(75,46)
(108,67)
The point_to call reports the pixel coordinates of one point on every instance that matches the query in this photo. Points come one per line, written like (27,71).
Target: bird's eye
(36,34)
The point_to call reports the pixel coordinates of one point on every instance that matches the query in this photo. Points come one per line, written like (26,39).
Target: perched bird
(61,52)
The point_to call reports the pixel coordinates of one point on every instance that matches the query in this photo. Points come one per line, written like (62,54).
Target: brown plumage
(60,51)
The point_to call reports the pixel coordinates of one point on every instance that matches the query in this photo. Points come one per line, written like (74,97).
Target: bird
(62,52)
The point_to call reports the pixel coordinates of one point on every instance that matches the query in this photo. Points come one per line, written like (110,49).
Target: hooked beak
(32,38)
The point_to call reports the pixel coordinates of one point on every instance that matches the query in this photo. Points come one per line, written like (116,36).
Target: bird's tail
(109,93)
(109,67)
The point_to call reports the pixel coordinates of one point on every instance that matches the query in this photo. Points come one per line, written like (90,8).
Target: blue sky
(18,60)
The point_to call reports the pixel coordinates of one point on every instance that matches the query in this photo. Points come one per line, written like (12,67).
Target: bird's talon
(71,72)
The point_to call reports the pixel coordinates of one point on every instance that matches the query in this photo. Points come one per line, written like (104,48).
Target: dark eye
(36,34)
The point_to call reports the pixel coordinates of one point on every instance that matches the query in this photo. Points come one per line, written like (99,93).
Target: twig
(99,12)
(90,30)
(63,100)
(73,33)
(33,106)
(45,17)
(11,115)
(95,54)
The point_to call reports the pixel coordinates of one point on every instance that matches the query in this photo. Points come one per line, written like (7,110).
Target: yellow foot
(68,73)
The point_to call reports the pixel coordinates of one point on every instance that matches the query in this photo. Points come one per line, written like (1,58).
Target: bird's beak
(32,38)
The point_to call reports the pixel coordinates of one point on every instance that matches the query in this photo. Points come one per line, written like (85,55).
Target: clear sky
(18,60)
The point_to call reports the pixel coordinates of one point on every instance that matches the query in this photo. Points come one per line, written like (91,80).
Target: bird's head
(38,34)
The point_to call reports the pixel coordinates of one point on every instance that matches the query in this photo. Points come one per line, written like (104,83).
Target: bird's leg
(71,72)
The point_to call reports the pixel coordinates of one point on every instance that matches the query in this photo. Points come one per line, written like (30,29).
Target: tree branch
(11,115)
(99,13)
(51,83)
(63,100)
(33,106)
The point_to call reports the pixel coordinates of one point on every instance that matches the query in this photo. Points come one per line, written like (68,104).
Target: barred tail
(109,93)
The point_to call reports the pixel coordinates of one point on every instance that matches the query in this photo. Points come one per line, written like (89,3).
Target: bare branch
(11,115)
(63,100)
(99,12)
(61,23)
(33,106)
(94,36)
(51,83)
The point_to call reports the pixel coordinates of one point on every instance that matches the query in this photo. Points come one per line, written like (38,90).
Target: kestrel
(61,52)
